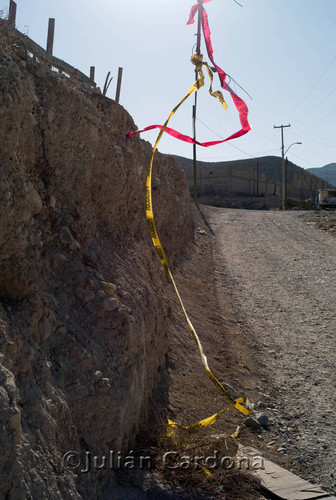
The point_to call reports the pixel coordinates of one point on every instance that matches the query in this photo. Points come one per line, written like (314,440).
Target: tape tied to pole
(241,404)
(238,102)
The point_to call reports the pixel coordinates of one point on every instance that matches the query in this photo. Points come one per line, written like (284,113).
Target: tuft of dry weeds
(188,473)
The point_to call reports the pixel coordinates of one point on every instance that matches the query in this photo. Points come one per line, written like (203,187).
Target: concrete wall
(246,183)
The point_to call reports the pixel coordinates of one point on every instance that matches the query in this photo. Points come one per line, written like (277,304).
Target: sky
(282,52)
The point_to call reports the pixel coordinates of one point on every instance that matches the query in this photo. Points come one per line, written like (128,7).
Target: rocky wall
(83,322)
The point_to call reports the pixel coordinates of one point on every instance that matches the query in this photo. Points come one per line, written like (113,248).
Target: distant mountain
(327,173)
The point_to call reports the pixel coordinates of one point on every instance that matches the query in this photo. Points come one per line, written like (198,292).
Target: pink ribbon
(238,102)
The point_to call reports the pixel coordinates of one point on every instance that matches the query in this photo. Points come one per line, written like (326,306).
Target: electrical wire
(311,133)
(302,159)
(214,132)
(324,117)
(236,147)
(313,87)
(319,103)
(312,140)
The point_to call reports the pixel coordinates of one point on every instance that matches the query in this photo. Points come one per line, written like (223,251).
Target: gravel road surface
(282,273)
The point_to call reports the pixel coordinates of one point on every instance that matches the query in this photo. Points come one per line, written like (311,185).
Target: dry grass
(189,475)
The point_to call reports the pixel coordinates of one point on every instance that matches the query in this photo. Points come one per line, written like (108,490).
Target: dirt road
(282,273)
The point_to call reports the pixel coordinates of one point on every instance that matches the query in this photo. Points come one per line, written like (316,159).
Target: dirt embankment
(83,327)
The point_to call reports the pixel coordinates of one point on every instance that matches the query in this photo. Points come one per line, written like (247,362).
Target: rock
(34,199)
(110,304)
(97,375)
(104,383)
(261,405)
(32,120)
(252,423)
(45,328)
(62,330)
(92,255)
(282,449)
(263,420)
(52,201)
(14,424)
(109,288)
(66,236)
(90,307)
(101,294)
(42,72)
(94,119)
(231,391)
(7,100)
(85,295)
(50,116)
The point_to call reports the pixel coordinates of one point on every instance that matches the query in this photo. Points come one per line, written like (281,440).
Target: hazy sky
(283,52)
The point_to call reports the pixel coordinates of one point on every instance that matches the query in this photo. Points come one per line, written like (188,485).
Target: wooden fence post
(92,73)
(120,72)
(50,39)
(12,13)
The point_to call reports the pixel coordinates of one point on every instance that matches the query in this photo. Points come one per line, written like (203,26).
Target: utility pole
(284,184)
(286,177)
(198,52)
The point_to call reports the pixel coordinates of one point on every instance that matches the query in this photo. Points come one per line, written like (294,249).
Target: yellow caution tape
(198,61)
(205,470)
(237,432)
(237,403)
(196,426)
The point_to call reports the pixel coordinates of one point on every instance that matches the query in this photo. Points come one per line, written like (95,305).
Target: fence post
(120,72)
(12,13)
(50,39)
(92,73)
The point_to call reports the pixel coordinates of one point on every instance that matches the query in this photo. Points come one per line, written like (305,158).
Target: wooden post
(194,149)
(285,184)
(120,73)
(198,52)
(50,39)
(92,73)
(12,13)
(283,195)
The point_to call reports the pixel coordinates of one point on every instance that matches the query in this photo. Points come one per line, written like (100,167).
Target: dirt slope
(83,327)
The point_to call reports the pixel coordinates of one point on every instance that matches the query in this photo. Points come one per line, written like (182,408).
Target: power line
(236,147)
(319,103)
(312,140)
(317,154)
(313,87)
(302,159)
(315,135)
(324,117)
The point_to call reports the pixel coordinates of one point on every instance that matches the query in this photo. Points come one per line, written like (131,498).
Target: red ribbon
(193,11)
(239,103)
